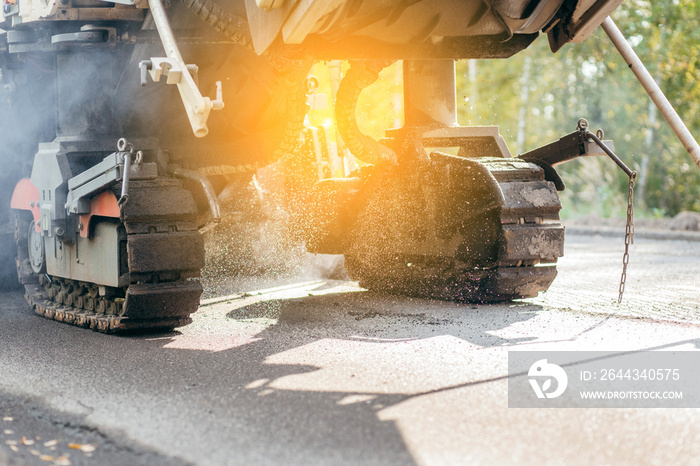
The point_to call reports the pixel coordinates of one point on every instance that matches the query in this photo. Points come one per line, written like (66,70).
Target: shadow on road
(294,377)
(323,423)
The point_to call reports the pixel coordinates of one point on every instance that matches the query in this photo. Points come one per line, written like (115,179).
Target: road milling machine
(121,120)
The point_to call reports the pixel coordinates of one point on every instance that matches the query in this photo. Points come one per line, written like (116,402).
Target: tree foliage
(591,80)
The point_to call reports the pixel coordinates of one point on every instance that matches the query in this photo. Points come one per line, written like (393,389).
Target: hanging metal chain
(629,234)
(629,228)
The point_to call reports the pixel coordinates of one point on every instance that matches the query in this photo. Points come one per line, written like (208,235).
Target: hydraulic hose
(359,76)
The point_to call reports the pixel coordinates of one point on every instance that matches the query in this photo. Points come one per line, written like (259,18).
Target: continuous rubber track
(475,230)
(160,249)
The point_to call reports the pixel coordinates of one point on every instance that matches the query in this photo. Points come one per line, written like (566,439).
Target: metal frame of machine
(125,172)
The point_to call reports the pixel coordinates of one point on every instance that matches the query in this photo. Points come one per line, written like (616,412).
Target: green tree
(591,80)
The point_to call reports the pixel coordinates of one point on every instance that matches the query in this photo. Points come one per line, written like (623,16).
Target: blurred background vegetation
(536,97)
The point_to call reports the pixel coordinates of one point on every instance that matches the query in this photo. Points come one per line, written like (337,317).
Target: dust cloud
(259,232)
(260,235)
(27,94)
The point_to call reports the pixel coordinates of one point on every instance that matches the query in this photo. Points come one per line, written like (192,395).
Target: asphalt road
(321,372)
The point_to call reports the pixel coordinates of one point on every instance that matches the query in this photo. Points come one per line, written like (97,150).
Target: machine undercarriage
(119,179)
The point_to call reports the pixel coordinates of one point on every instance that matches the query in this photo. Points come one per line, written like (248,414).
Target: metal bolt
(122,144)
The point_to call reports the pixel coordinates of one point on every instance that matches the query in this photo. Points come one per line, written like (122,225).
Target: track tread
(170,302)
(518,236)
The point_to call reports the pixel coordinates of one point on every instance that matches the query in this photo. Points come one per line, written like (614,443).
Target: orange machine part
(102,205)
(26,197)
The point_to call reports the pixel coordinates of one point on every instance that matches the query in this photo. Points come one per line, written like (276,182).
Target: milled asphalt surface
(321,372)
(33,434)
